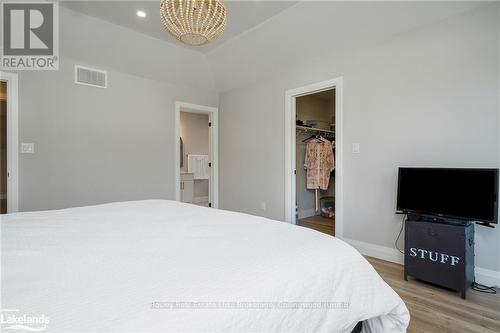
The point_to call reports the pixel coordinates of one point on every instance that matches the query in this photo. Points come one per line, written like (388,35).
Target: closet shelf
(314,130)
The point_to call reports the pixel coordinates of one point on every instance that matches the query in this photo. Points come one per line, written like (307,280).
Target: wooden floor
(437,310)
(318,223)
(3,206)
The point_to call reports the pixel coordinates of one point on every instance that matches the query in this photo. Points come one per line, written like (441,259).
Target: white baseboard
(484,276)
(376,251)
(306,213)
(487,277)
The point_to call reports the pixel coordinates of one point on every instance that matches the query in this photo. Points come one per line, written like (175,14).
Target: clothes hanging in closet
(319,162)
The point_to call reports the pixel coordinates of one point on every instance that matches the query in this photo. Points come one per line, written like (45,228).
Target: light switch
(355,148)
(27,148)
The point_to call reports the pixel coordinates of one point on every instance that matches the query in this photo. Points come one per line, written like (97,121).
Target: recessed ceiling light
(141,13)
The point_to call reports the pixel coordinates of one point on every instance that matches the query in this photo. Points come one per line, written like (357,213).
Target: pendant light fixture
(194,22)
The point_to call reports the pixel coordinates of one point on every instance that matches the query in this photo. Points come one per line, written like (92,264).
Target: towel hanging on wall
(198,166)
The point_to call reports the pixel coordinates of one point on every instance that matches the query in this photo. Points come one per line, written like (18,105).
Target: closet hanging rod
(314,130)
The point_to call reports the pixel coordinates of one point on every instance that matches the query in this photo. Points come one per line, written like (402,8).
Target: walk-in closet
(315,161)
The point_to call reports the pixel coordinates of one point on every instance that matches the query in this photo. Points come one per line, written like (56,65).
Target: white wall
(312,30)
(424,97)
(102,43)
(99,145)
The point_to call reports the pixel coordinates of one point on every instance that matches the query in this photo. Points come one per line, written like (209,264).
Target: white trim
(290,116)
(487,277)
(376,251)
(213,116)
(12,141)
(484,276)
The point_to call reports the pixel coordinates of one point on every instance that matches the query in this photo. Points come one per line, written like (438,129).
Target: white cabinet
(187,187)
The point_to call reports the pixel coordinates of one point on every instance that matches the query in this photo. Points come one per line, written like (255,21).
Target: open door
(195,158)
(315,161)
(196,154)
(3,147)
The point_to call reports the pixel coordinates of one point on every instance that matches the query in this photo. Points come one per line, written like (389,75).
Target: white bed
(121,267)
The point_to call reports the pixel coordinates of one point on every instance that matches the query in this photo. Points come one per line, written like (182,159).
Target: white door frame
(12,141)
(213,114)
(290,158)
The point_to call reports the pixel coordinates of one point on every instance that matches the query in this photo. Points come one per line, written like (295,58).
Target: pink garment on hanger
(319,163)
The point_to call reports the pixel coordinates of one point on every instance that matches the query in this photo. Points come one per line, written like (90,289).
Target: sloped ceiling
(266,38)
(311,31)
(243,15)
(107,45)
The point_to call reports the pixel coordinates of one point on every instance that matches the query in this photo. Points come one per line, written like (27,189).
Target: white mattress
(121,267)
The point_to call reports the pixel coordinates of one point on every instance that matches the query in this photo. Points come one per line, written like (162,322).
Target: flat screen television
(461,194)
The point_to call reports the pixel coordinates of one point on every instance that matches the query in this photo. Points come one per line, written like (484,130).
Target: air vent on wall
(91,77)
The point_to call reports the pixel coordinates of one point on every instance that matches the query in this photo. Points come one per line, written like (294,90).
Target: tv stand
(436,219)
(440,253)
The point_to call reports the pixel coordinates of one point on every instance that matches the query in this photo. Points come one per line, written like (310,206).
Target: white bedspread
(121,267)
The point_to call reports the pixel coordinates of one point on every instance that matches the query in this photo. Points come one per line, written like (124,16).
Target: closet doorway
(313,182)
(196,154)
(315,161)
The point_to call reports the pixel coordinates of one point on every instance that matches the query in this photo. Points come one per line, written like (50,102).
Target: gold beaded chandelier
(194,22)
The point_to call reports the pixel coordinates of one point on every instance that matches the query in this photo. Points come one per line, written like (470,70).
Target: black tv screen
(467,194)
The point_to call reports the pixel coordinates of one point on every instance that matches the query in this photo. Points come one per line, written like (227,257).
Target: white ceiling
(242,16)
(264,39)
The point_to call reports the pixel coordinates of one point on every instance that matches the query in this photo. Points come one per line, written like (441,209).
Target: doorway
(8,143)
(196,154)
(3,147)
(315,161)
(313,117)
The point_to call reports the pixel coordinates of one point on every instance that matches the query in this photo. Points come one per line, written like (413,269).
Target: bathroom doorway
(196,154)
